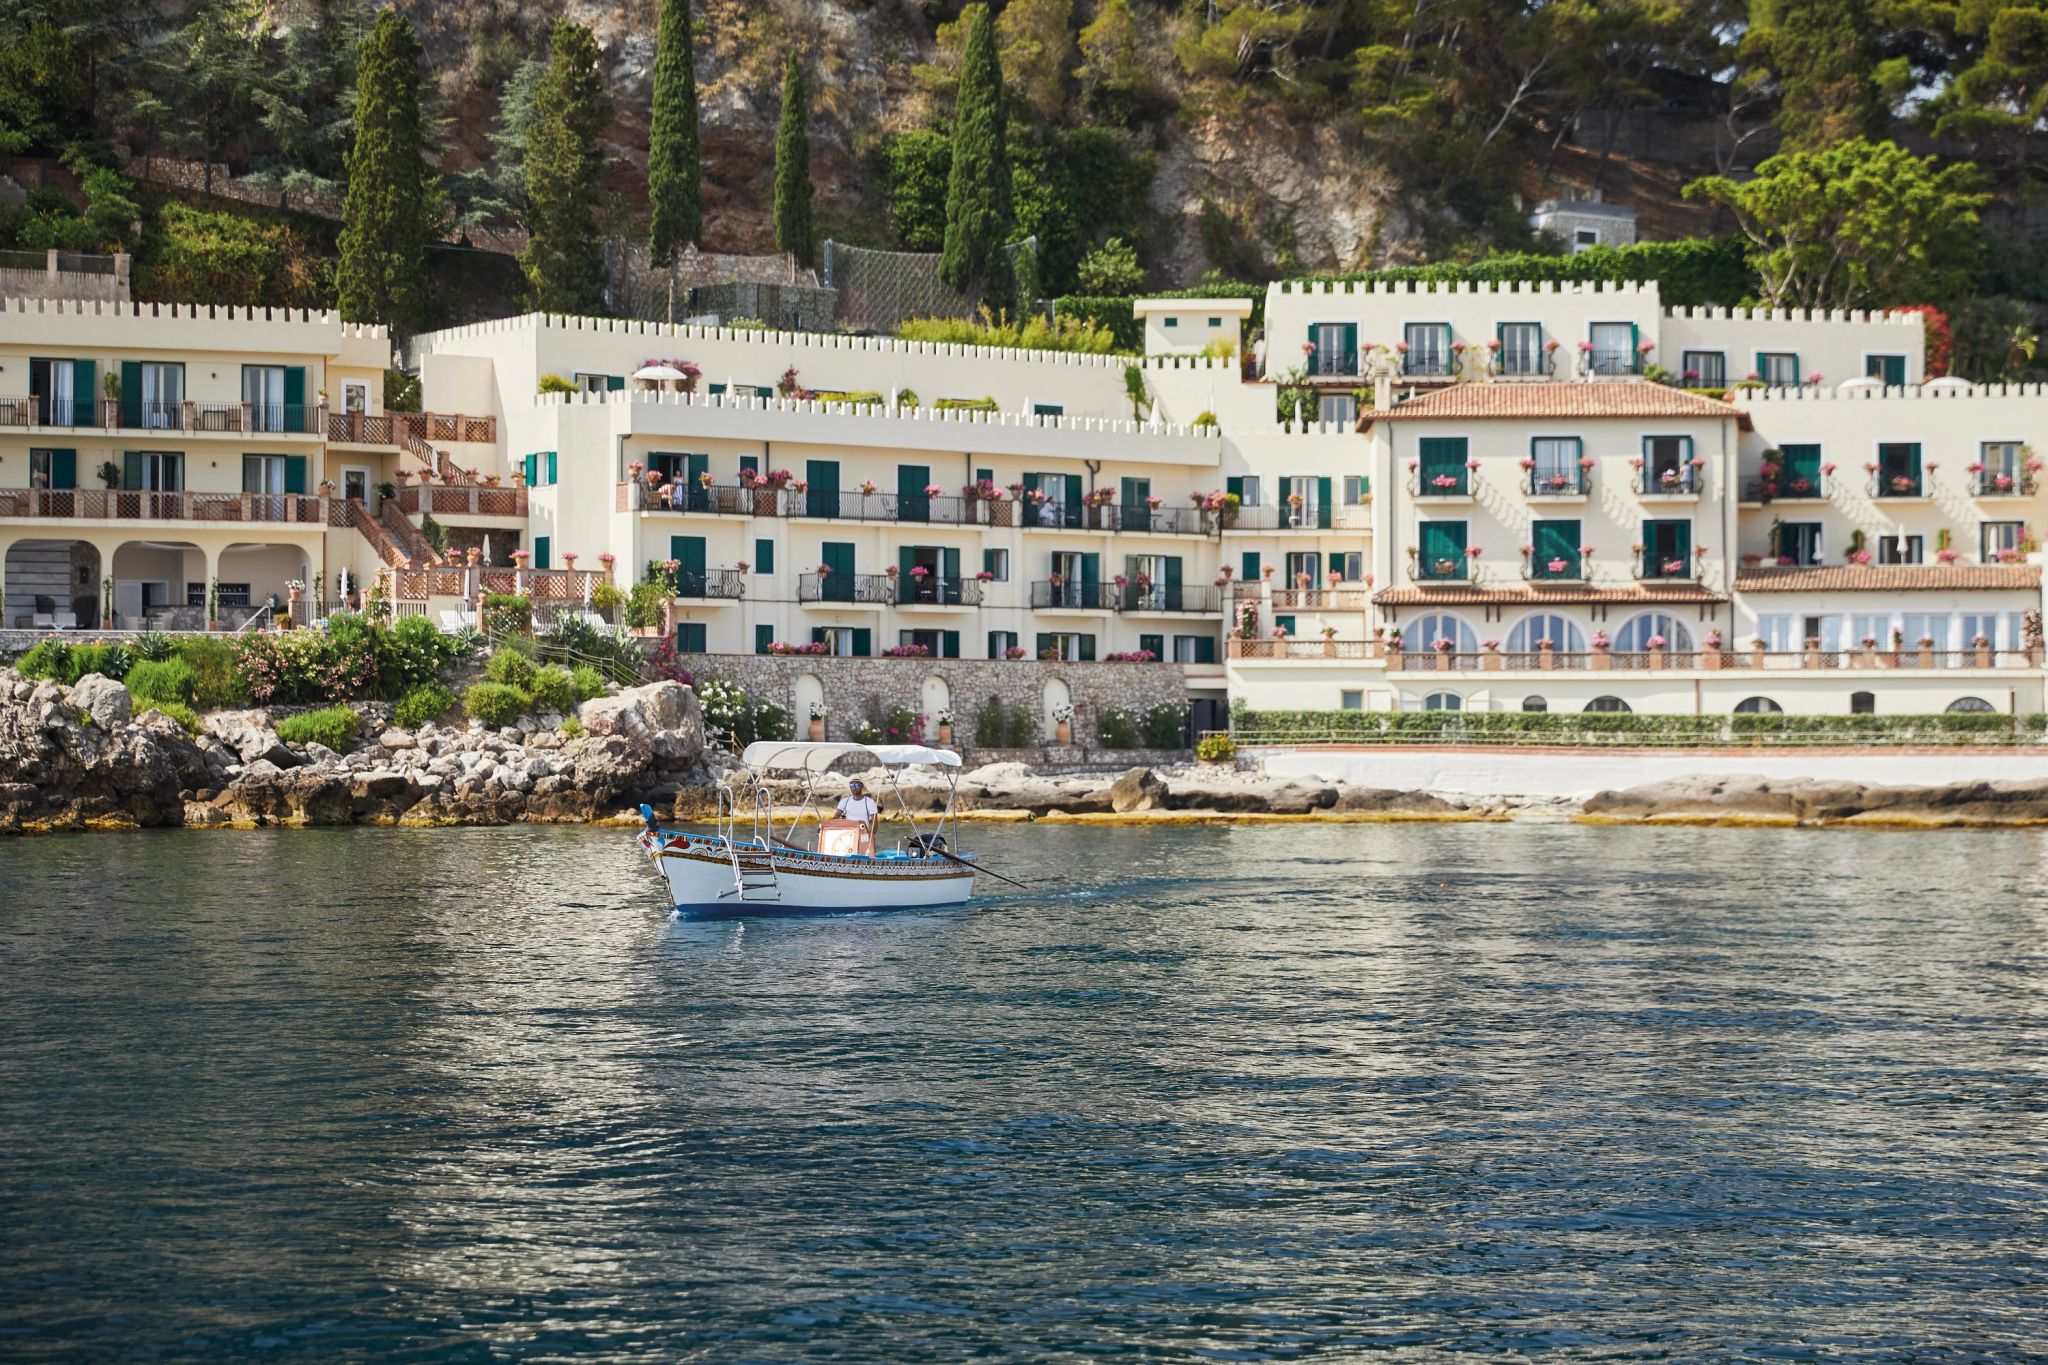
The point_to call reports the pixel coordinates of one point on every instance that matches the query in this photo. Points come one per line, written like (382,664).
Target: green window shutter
(532,463)
(1312,348)
(764,556)
(863,642)
(949,644)
(543,557)
(1681,538)
(1030,483)
(1130,495)
(764,636)
(1635,345)
(552,475)
(1205,649)
(688,551)
(696,466)
(294,473)
(690,637)
(1155,643)
(984,476)
(751,463)
(1091,575)
(949,564)
(838,555)
(1351,345)
(84,379)
(1074,499)
(1442,540)
(906,560)
(1323,503)
(63,469)
(1175,597)
(817,635)
(988,561)
(131,393)
(995,644)
(1088,648)
(295,399)
(1234,484)
(1442,455)
(1044,643)
(717,388)
(1801,462)
(614,382)
(1249,569)
(131,469)
(1285,623)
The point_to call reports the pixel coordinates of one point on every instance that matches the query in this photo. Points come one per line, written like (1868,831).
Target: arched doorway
(1057,698)
(807,703)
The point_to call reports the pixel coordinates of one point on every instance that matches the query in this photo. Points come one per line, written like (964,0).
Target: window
(1429,348)
(263,474)
(1928,626)
(1758,706)
(1557,465)
(1799,474)
(1442,552)
(1521,348)
(1705,369)
(592,383)
(1780,634)
(690,637)
(1898,549)
(1304,564)
(1170,322)
(1612,705)
(1338,407)
(1439,625)
(160,471)
(263,395)
(1614,348)
(1982,625)
(933,641)
(1000,643)
(1779,369)
(1443,701)
(1799,541)
(63,392)
(1215,322)
(1890,368)
(1194,649)
(837,639)
(2000,539)
(1531,632)
(1048,409)
(1535,704)
(1667,549)
(1584,239)
(1069,647)
(2004,470)
(1970,706)
(1348,565)
(1249,497)
(1825,632)
(764,636)
(996,564)
(1898,470)
(1874,628)
(163,396)
(1637,633)
(1554,550)
(1357,490)
(1351,699)
(1863,703)
(1336,348)
(1667,465)
(1309,510)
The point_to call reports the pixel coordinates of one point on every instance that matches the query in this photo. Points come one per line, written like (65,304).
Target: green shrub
(1689,272)
(151,646)
(1116,728)
(589,682)
(572,728)
(334,726)
(510,667)
(644,605)
(555,383)
(989,729)
(967,405)
(728,713)
(411,654)
(421,704)
(507,614)
(111,661)
(496,704)
(1020,728)
(772,722)
(899,726)
(217,665)
(1215,748)
(553,689)
(1567,727)
(1033,333)
(50,659)
(1165,726)
(186,717)
(171,680)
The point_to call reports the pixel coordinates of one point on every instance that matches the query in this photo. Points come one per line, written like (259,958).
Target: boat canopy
(807,756)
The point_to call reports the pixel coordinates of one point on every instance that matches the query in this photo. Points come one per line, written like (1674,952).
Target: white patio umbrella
(659,374)
(487,549)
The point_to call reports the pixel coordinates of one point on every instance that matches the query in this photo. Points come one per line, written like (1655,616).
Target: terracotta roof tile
(1606,398)
(1892,578)
(1531,594)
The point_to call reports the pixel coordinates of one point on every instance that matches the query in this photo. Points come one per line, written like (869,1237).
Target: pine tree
(564,259)
(674,177)
(387,215)
(979,212)
(1824,54)
(793,166)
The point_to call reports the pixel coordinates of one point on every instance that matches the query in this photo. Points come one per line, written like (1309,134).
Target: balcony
(1154,597)
(1611,362)
(1652,567)
(1908,486)
(851,589)
(1683,482)
(1066,594)
(462,500)
(696,499)
(117,504)
(1524,366)
(1985,483)
(1284,518)
(49,412)
(397,428)
(1441,484)
(1166,521)
(1783,487)
(713,584)
(1566,568)
(931,590)
(1571,485)
(1443,569)
(1332,364)
(1429,365)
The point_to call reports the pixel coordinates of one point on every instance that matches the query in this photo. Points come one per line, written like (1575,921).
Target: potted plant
(817,729)
(1063,724)
(944,720)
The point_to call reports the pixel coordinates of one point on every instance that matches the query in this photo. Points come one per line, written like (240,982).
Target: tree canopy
(387,216)
(979,207)
(564,258)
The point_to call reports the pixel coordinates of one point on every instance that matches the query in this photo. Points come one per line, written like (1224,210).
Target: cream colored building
(163,465)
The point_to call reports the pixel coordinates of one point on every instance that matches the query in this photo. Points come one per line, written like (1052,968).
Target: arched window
(1448,701)
(1531,631)
(1974,706)
(1439,625)
(1863,703)
(1758,706)
(1607,704)
(1635,635)
(1535,704)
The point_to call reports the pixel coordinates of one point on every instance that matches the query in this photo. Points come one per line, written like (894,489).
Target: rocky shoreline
(82,757)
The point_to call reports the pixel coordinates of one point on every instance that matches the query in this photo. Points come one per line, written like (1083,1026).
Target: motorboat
(741,870)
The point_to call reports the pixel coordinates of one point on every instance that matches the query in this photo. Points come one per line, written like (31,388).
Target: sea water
(1252,1093)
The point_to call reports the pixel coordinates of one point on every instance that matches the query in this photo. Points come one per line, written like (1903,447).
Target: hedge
(1558,727)
(1115,313)
(1691,273)
(333,726)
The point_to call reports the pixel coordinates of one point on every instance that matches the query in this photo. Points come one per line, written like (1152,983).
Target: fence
(1635,731)
(879,291)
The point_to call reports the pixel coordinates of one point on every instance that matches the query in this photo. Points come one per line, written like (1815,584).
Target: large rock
(58,771)
(1383,800)
(1804,801)
(1140,789)
(105,700)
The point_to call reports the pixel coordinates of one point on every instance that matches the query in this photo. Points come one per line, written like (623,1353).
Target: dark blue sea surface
(1278,1093)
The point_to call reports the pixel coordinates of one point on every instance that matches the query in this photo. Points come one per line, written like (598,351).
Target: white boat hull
(702,883)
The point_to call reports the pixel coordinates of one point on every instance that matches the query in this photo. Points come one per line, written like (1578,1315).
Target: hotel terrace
(1493,503)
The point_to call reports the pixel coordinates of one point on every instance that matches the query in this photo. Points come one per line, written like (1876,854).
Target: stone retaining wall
(854,690)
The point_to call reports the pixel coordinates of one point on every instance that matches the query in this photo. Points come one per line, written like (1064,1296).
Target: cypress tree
(564,260)
(979,213)
(674,177)
(387,214)
(1824,55)
(793,166)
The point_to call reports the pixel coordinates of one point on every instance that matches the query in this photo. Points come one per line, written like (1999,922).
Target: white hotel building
(1491,506)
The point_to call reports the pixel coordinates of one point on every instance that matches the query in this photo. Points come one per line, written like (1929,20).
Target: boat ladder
(753,868)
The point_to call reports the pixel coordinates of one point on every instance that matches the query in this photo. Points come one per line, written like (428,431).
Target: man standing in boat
(858,805)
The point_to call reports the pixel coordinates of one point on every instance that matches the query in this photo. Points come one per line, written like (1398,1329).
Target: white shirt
(858,808)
